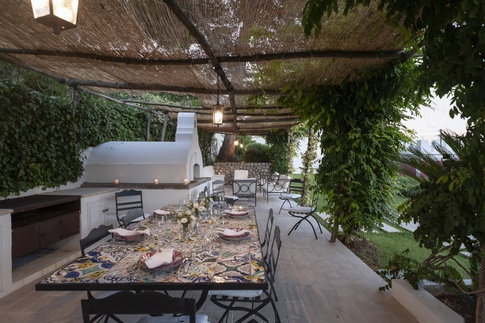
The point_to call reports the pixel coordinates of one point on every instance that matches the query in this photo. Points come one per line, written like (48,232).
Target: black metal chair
(145,302)
(127,201)
(304,213)
(233,300)
(266,243)
(95,235)
(217,188)
(295,192)
(276,184)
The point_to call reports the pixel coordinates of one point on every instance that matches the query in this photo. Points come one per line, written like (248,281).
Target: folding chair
(230,300)
(295,191)
(127,201)
(145,302)
(304,213)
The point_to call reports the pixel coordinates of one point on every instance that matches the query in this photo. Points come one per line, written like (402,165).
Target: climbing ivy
(278,142)
(361,137)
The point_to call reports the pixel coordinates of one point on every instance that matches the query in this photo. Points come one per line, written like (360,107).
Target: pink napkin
(163,257)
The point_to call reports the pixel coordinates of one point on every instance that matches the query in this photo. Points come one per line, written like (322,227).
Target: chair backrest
(218,187)
(132,215)
(245,188)
(274,254)
(146,302)
(296,186)
(127,200)
(284,181)
(94,236)
(241,173)
(266,243)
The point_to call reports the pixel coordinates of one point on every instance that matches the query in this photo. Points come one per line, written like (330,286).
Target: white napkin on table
(161,212)
(163,257)
(126,233)
(230,232)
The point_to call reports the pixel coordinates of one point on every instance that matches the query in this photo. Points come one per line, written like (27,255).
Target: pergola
(255,48)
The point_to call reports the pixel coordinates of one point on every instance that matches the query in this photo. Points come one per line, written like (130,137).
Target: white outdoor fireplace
(145,162)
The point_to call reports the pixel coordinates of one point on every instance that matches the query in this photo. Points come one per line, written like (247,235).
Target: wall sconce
(57,14)
(186,181)
(155,181)
(217,109)
(117,181)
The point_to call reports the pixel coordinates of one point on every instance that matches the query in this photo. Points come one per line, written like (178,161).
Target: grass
(392,243)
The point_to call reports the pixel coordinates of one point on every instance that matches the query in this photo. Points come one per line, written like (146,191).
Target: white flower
(184,220)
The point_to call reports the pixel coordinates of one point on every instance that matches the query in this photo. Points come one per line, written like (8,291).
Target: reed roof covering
(183,46)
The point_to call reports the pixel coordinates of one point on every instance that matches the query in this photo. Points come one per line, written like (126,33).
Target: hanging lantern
(217,113)
(217,109)
(57,14)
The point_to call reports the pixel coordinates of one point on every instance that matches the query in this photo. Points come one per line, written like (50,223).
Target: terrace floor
(317,281)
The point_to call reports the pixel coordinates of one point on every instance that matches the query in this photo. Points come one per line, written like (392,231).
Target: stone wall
(227,169)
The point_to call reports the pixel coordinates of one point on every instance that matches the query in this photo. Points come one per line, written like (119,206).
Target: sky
(432,119)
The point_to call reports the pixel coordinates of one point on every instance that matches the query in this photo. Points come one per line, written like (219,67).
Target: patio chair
(241,174)
(305,213)
(263,179)
(277,184)
(95,235)
(145,302)
(233,300)
(295,190)
(245,188)
(126,201)
(265,244)
(217,187)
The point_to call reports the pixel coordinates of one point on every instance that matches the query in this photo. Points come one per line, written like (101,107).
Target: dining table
(211,255)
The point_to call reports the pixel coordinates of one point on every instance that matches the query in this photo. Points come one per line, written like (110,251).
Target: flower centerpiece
(185,218)
(197,207)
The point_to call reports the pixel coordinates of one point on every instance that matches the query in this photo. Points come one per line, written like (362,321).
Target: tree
(449,204)
(227,149)
(452,40)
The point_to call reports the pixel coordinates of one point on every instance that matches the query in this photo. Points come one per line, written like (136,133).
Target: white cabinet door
(97,210)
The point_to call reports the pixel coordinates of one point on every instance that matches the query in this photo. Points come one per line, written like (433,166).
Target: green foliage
(278,142)
(449,205)
(361,137)
(452,45)
(404,185)
(207,144)
(39,141)
(256,153)
(42,136)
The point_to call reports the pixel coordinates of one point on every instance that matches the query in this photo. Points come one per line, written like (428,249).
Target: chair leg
(284,202)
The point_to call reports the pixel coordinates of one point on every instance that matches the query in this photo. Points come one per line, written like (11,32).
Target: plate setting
(234,234)
(137,237)
(236,213)
(177,260)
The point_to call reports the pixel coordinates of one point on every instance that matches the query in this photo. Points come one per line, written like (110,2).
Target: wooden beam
(195,32)
(221,59)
